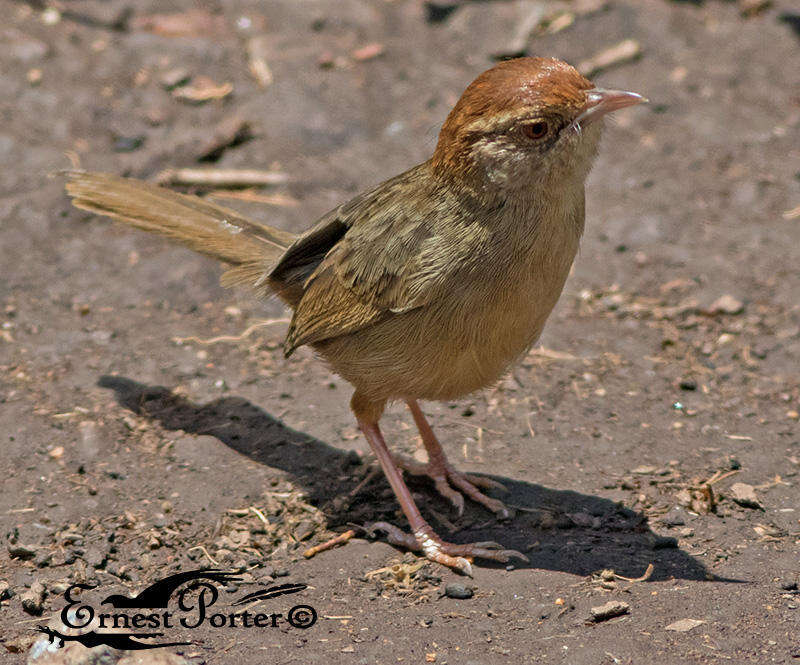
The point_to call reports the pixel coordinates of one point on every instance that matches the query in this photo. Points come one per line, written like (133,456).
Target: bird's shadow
(558,530)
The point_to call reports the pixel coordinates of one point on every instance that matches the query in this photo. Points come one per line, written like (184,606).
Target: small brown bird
(430,285)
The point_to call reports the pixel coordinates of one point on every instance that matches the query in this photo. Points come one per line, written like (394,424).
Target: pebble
(33,599)
(24,552)
(745,496)
(787,584)
(174,78)
(95,557)
(684,625)
(128,143)
(726,304)
(5,590)
(43,559)
(458,591)
(59,586)
(304,530)
(611,609)
(673,518)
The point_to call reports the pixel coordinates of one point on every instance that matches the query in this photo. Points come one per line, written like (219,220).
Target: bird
(429,285)
(159,593)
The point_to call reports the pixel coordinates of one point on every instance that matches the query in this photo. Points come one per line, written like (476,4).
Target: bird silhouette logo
(157,595)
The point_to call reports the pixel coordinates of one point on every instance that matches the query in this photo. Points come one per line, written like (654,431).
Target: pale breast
(488,314)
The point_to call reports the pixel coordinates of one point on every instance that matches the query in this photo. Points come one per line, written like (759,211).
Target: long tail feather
(248,247)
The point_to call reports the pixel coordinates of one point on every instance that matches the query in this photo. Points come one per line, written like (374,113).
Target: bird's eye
(535,130)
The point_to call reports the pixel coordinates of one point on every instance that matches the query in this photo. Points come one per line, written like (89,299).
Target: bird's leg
(422,536)
(444,475)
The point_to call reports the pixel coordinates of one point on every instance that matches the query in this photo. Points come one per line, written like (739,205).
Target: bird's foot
(444,476)
(448,554)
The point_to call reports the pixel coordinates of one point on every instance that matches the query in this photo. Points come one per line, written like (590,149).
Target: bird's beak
(600,101)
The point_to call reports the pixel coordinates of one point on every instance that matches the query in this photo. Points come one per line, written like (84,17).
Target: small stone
(19,644)
(59,586)
(128,143)
(33,599)
(684,625)
(304,530)
(726,304)
(458,591)
(281,572)
(94,557)
(673,518)
(643,470)
(786,584)
(611,609)
(42,559)
(175,78)
(23,552)
(745,496)
(5,590)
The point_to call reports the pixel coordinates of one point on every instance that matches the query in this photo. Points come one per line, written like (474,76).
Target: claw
(464,566)
(447,554)
(444,475)
(485,483)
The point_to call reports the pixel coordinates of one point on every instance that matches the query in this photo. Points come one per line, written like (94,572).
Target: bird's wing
(162,590)
(369,259)
(271,592)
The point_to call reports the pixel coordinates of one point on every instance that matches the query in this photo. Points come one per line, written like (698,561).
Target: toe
(485,483)
(449,493)
(495,505)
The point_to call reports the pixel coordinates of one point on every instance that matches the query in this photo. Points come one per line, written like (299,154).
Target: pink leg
(423,536)
(441,471)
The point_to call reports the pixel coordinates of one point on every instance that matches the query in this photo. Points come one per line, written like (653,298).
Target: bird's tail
(248,247)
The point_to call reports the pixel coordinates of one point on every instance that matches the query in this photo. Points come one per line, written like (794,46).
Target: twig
(720,476)
(204,551)
(221,177)
(260,516)
(530,427)
(329,544)
(643,578)
(229,338)
(252,196)
(618,54)
(552,354)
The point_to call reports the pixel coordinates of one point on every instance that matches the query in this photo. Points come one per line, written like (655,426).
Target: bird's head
(525,122)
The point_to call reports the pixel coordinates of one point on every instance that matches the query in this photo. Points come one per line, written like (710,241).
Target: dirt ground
(149,426)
